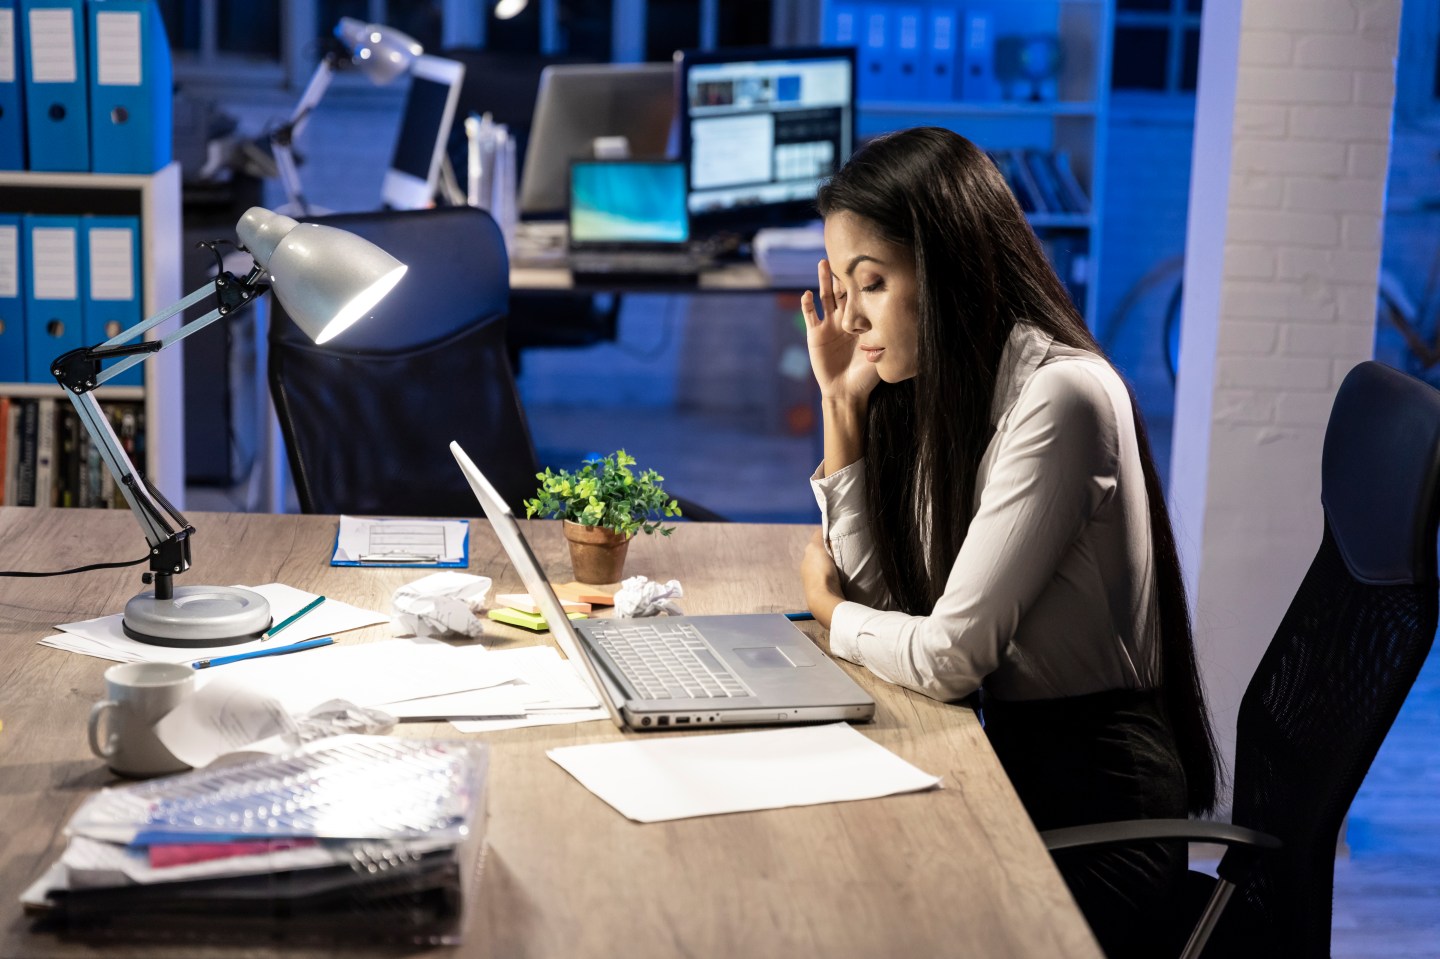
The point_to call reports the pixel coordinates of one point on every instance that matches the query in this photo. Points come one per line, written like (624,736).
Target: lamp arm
(283,138)
(78,373)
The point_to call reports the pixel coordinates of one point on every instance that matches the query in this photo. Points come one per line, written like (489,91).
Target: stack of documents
(104,637)
(790,254)
(347,838)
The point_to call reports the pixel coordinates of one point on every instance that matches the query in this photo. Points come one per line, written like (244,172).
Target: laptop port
(681,720)
(664,720)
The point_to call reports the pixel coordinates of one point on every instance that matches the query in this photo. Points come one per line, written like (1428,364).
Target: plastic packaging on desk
(347,838)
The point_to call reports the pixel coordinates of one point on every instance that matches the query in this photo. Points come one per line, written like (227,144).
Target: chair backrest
(1345,655)
(368,417)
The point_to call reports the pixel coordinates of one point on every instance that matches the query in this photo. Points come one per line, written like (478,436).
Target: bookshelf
(155,199)
(1003,111)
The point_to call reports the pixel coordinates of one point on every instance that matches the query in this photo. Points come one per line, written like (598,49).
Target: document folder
(111,301)
(53,316)
(873,82)
(938,64)
(130,114)
(12,302)
(56,97)
(12,91)
(904,80)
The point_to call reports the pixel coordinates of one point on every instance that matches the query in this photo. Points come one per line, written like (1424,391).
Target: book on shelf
(48,458)
(1076,199)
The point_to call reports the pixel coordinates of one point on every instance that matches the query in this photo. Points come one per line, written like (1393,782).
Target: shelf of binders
(1026,80)
(152,202)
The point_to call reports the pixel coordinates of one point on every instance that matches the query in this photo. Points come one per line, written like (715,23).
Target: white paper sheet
(366,674)
(686,776)
(392,540)
(104,638)
(548,687)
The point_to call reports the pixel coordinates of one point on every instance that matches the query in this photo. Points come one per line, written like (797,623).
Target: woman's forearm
(844,429)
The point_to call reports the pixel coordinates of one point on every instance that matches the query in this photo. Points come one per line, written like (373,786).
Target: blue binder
(904,81)
(842,24)
(942,30)
(12,300)
(54,261)
(873,83)
(57,117)
(12,90)
(130,97)
(110,250)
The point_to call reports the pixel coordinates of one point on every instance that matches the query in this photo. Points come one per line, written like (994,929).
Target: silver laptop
(683,671)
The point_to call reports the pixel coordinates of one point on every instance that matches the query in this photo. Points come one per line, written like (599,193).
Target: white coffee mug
(137,696)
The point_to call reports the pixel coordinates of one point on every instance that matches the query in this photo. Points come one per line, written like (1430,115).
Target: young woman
(991,516)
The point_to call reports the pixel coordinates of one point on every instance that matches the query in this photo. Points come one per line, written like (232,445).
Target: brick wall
(1295,111)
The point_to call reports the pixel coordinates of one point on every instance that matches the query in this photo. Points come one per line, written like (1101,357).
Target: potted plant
(603,504)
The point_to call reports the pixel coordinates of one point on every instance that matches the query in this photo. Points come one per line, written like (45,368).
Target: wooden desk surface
(956,871)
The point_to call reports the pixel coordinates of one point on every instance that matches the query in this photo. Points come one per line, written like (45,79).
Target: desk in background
(958,871)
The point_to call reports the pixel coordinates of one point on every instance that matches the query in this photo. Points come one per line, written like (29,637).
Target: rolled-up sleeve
(1054,465)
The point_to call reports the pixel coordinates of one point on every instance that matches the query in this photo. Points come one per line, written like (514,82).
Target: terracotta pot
(596,553)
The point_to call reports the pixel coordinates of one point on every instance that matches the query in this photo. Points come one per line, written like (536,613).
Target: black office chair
(1331,682)
(368,417)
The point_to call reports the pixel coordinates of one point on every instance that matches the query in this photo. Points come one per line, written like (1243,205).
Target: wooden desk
(956,871)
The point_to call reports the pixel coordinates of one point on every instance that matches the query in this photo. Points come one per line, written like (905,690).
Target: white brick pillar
(1292,134)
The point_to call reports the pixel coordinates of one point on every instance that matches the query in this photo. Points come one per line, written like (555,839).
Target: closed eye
(872,287)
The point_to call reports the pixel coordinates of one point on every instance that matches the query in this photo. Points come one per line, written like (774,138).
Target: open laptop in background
(681,671)
(628,221)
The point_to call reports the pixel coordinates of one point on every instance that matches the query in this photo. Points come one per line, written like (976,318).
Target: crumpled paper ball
(638,596)
(441,604)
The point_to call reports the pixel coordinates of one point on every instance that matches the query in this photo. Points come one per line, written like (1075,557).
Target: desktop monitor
(424,130)
(761,129)
(580,103)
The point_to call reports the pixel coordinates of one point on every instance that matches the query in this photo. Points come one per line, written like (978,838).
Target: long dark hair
(979,269)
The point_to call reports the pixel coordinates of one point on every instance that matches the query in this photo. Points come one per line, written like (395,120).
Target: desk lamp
(381,53)
(326,279)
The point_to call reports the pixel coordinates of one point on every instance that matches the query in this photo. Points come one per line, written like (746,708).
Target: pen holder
(597,554)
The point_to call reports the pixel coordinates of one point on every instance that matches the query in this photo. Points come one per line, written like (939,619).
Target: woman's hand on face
(840,368)
(821,580)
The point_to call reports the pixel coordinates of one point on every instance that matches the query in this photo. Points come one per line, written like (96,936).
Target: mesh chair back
(1344,658)
(368,416)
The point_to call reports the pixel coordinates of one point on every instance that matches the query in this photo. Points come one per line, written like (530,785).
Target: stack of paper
(105,638)
(521,609)
(790,254)
(402,542)
(355,838)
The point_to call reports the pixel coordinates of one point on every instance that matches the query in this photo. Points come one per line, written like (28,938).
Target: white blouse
(1053,592)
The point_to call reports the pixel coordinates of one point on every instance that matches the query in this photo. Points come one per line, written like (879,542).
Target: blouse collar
(1025,349)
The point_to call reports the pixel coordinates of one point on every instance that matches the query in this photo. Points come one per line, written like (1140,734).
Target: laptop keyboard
(659,264)
(666,661)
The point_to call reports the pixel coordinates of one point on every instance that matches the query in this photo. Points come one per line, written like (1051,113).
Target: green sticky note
(517,617)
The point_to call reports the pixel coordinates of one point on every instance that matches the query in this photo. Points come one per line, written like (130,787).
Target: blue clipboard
(420,563)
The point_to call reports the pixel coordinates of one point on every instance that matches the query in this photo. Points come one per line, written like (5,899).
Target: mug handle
(96,712)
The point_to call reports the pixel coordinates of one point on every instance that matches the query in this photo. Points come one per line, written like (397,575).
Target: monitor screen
(761,129)
(580,103)
(628,202)
(424,130)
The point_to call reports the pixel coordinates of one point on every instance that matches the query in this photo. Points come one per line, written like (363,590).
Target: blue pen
(796,617)
(255,654)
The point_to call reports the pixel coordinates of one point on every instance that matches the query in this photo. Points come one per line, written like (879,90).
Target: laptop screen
(625,202)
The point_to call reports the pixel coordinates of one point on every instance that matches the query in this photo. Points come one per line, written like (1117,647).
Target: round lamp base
(197,617)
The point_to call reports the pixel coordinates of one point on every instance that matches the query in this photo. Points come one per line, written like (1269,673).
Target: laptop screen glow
(628,202)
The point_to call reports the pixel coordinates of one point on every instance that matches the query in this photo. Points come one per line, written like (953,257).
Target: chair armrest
(1242,845)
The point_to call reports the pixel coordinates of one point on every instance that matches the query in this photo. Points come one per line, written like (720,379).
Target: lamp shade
(325,278)
(382,53)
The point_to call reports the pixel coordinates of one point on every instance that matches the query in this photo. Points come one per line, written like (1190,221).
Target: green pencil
(290,619)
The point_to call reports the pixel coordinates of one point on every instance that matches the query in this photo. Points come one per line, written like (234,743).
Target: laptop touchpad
(770,657)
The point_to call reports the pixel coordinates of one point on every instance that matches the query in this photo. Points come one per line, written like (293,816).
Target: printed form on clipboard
(402,542)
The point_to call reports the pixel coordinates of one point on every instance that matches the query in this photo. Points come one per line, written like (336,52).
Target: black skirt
(1101,758)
